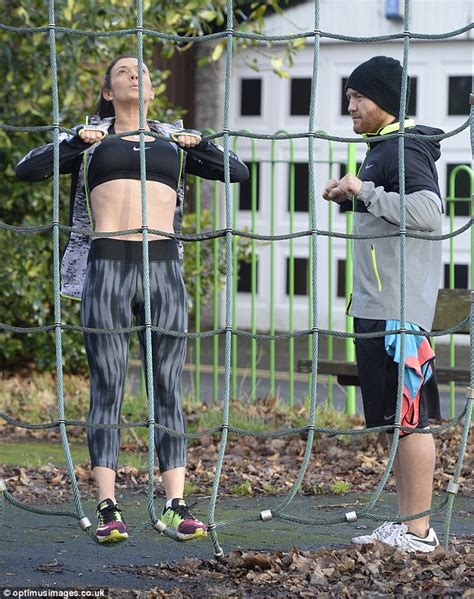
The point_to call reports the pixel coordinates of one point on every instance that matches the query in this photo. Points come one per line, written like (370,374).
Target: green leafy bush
(26,274)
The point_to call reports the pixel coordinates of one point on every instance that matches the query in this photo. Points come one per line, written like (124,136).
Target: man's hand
(339,190)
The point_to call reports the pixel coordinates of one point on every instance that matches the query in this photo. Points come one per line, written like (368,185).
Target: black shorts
(378,376)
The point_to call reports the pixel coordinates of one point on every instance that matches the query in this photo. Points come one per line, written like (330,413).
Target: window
(459,88)
(394,10)
(244,277)
(301,276)
(412,100)
(344,100)
(245,192)
(460,276)
(462,189)
(300,96)
(411,108)
(251,97)
(301,187)
(341,278)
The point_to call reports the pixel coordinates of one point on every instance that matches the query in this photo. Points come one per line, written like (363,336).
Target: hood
(433,147)
(430,146)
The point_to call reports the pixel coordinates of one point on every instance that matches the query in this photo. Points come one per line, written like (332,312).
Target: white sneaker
(384,531)
(407,541)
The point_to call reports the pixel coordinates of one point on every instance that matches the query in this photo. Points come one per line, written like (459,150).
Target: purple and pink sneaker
(112,527)
(179,518)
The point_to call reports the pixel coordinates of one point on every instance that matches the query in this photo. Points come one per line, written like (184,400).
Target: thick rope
(56,261)
(229,233)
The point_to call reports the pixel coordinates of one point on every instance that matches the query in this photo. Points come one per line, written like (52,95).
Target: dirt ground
(276,559)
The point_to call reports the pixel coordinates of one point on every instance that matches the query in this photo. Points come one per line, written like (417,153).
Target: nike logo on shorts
(138,149)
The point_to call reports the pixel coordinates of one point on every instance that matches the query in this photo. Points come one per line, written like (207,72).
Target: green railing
(329,340)
(451,202)
(216,288)
(350,348)
(275,196)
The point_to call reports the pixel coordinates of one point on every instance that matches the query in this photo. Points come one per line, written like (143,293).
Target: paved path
(49,551)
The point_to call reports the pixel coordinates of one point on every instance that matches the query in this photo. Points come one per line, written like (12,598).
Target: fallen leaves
(255,467)
(364,571)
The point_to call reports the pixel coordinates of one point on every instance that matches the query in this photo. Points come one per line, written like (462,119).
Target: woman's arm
(207,161)
(38,164)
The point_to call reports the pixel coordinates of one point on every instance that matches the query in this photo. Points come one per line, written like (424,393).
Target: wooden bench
(452,307)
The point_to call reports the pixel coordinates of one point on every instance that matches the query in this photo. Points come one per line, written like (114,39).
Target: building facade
(262,102)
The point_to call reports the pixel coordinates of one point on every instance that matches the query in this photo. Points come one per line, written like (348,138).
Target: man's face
(367,116)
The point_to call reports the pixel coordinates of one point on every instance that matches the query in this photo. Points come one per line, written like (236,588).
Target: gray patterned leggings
(112,296)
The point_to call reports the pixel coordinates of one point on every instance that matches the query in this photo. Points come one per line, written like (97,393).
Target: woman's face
(124,82)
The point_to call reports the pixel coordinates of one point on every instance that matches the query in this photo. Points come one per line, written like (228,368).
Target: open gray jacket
(205,160)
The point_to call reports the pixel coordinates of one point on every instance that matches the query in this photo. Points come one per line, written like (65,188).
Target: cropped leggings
(112,297)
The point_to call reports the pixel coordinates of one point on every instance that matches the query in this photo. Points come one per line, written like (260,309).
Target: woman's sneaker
(382,533)
(179,518)
(112,527)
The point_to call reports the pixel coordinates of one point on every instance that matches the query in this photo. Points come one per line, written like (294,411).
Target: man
(374,91)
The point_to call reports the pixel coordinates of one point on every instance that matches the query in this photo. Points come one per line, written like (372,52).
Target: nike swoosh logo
(138,149)
(369,166)
(424,541)
(388,417)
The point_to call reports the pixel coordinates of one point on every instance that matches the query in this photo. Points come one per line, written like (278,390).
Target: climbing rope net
(228,233)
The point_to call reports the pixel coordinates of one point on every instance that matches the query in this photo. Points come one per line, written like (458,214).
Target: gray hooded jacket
(376,287)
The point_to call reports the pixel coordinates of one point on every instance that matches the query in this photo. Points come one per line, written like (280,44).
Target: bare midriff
(117,206)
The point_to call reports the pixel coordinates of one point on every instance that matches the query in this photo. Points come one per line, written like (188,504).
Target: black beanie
(380,79)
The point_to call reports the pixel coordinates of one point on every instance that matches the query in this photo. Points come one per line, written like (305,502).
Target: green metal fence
(328,169)
(451,203)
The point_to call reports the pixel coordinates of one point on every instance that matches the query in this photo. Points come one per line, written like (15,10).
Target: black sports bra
(117,158)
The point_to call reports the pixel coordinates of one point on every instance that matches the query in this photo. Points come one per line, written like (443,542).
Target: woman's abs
(117,206)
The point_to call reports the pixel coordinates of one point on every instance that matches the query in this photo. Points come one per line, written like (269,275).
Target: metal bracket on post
(85,523)
(266,515)
(3,485)
(469,393)
(351,516)
(452,488)
(471,99)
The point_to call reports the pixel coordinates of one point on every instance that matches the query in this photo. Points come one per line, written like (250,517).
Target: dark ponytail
(105,108)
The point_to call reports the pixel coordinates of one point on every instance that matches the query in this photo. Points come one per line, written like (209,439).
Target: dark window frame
(301,187)
(301,289)
(461,276)
(243,97)
(340,278)
(300,98)
(245,189)
(454,108)
(244,276)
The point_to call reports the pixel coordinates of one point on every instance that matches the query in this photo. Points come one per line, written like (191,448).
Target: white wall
(430,61)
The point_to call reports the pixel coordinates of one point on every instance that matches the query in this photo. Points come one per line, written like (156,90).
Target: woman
(107,273)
